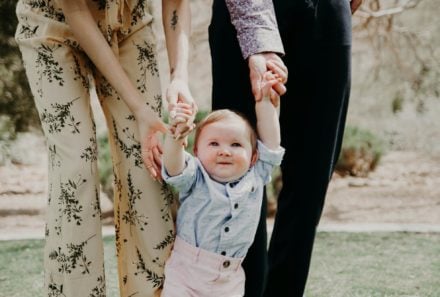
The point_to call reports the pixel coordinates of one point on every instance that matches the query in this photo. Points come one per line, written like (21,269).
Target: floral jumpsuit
(60,76)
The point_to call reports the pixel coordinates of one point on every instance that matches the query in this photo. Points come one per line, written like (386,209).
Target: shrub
(16,99)
(7,135)
(105,165)
(360,153)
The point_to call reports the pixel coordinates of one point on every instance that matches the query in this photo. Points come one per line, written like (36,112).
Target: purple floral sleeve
(256,26)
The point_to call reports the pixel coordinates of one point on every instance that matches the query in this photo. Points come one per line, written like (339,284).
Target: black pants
(317,39)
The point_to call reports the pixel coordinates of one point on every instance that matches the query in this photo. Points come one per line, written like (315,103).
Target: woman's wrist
(179,73)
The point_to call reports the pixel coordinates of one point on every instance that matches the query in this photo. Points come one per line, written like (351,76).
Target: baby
(220,191)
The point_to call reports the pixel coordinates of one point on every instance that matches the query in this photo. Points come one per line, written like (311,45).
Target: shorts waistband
(206,258)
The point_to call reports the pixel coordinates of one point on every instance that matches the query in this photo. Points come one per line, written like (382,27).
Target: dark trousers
(317,39)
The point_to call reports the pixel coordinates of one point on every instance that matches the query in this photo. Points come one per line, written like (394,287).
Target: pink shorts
(194,272)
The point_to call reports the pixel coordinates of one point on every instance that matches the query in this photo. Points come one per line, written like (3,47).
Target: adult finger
(183,130)
(157,126)
(279,69)
(257,66)
(274,98)
(280,88)
(148,158)
(157,165)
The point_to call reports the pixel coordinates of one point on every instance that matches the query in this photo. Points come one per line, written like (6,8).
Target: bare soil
(404,189)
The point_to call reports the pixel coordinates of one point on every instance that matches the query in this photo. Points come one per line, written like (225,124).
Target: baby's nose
(224,152)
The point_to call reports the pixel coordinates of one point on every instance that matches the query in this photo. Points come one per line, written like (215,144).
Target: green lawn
(344,265)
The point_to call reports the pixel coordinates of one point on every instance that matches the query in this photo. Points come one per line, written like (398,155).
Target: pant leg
(231,89)
(317,43)
(144,226)
(73,253)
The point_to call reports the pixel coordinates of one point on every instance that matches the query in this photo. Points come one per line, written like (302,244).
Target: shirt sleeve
(184,181)
(267,160)
(256,25)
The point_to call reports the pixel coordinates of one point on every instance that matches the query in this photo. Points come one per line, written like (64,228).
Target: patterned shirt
(256,25)
(222,217)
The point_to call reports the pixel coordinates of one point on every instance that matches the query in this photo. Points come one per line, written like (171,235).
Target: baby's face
(225,150)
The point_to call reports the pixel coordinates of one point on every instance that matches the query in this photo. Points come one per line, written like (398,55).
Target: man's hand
(268,82)
(258,65)
(354,5)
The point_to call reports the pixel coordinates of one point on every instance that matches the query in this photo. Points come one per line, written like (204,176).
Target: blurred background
(387,177)
(389,167)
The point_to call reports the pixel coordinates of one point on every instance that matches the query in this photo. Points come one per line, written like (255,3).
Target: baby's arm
(268,125)
(173,151)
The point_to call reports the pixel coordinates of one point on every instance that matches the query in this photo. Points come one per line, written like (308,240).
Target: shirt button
(226,264)
(226,229)
(236,205)
(223,253)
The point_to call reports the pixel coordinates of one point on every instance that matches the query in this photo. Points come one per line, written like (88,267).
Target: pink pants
(194,272)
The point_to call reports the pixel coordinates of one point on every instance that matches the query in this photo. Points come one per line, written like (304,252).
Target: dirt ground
(404,189)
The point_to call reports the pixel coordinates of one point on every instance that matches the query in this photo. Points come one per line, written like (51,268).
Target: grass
(375,265)
(343,265)
(21,268)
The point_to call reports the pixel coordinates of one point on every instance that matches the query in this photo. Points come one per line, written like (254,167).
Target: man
(317,42)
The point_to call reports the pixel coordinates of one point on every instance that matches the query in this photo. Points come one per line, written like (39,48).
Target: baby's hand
(269,80)
(181,116)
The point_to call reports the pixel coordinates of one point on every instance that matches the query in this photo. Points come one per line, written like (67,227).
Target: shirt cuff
(271,156)
(185,178)
(259,40)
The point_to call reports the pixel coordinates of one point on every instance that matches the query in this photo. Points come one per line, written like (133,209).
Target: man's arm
(256,25)
(260,42)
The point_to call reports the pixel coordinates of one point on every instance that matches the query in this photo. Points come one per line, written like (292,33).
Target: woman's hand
(268,82)
(181,119)
(177,93)
(150,127)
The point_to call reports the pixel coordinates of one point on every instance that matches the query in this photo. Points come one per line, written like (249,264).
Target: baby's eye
(236,144)
(213,143)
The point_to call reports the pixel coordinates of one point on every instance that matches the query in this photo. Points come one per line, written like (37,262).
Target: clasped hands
(268,76)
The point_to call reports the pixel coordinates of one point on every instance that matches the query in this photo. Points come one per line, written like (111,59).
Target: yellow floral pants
(59,75)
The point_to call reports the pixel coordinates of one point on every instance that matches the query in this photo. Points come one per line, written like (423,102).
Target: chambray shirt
(222,217)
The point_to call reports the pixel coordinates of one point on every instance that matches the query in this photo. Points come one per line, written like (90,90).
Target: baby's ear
(195,150)
(254,158)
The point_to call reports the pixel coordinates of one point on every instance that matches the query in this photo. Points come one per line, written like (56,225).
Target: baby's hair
(222,114)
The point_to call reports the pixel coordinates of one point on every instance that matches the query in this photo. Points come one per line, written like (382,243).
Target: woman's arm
(90,38)
(176,16)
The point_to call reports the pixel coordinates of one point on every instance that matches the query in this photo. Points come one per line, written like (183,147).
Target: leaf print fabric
(60,75)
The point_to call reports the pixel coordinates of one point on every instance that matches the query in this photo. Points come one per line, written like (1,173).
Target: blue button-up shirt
(222,217)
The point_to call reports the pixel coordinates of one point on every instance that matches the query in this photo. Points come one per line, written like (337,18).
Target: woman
(65,44)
